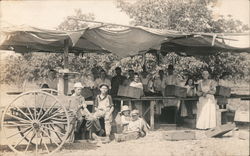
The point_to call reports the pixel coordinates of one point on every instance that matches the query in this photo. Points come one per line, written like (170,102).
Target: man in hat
(77,110)
(116,81)
(171,78)
(51,81)
(103,107)
(102,79)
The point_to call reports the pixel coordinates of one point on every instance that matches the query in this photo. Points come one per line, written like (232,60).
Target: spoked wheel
(35,123)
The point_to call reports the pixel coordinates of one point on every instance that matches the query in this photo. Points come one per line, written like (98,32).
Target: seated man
(77,110)
(103,109)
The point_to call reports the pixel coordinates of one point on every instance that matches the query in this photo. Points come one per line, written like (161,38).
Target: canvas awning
(124,42)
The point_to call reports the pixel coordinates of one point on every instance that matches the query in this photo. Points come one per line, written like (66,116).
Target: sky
(49,14)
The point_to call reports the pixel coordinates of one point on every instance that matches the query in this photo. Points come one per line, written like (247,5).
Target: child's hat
(78,85)
(134,112)
(104,84)
(125,108)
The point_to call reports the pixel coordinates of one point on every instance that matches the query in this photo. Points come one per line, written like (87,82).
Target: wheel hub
(36,125)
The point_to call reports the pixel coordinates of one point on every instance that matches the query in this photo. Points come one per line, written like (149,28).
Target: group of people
(151,85)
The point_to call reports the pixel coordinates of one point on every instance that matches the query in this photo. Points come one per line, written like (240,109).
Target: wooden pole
(66,54)
(152,119)
(66,66)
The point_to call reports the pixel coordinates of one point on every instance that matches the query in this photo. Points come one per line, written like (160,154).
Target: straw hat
(125,108)
(78,85)
(104,84)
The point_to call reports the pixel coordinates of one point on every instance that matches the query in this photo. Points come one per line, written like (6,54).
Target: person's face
(161,73)
(78,91)
(205,75)
(118,72)
(104,89)
(190,82)
(136,78)
(126,113)
(102,75)
(131,73)
(52,75)
(134,117)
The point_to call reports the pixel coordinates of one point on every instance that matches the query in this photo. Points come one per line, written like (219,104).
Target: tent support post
(66,54)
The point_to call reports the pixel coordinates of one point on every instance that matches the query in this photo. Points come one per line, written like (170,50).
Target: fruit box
(131,92)
(177,91)
(223,91)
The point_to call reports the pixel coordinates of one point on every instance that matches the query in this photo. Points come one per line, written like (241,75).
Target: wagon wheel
(51,91)
(40,119)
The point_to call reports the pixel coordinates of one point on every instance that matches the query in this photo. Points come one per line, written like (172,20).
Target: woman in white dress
(206,106)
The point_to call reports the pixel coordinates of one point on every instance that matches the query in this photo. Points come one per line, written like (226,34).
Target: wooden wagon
(39,120)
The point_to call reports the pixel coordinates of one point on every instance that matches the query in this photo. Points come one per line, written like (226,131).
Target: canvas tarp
(124,42)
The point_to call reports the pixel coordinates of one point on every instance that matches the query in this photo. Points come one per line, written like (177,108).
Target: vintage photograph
(124,77)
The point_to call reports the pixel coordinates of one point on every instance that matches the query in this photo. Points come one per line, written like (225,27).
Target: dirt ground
(154,144)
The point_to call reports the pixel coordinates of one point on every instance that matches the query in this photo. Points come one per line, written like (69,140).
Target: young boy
(103,108)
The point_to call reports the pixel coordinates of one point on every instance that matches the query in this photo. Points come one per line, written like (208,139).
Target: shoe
(106,140)
(101,132)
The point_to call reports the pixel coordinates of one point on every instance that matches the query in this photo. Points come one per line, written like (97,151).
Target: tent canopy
(123,42)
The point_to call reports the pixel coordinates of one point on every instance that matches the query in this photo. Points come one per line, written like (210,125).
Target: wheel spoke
(50,117)
(29,143)
(16,125)
(27,106)
(23,112)
(44,144)
(49,123)
(23,138)
(49,137)
(48,110)
(53,130)
(36,144)
(24,131)
(18,118)
(35,105)
(40,111)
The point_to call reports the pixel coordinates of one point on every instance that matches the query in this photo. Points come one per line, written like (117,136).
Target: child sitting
(125,117)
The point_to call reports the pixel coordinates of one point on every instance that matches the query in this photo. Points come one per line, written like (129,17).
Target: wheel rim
(41,121)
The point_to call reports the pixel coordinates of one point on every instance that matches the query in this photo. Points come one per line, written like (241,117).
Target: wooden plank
(180,135)
(220,130)
(152,122)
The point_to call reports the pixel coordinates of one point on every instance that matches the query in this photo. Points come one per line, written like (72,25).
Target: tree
(189,16)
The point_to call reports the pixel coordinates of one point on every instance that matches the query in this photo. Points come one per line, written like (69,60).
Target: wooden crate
(87,92)
(220,130)
(131,92)
(242,116)
(126,136)
(180,135)
(177,91)
(221,100)
(223,91)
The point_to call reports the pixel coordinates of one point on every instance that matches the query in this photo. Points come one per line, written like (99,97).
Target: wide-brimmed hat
(78,85)
(135,112)
(104,84)
(125,108)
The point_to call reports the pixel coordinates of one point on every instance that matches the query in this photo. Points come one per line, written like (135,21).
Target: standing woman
(206,106)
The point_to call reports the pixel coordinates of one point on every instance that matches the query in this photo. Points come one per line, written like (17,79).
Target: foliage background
(180,15)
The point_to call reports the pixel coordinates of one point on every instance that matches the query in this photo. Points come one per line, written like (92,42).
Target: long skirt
(206,112)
